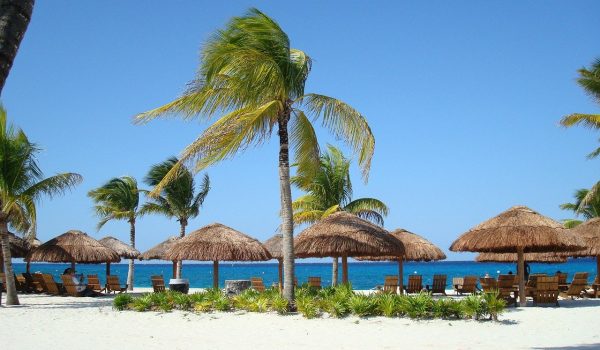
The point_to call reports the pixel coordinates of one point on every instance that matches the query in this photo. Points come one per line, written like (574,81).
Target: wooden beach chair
(34,287)
(21,284)
(69,285)
(414,285)
(94,283)
(532,283)
(596,287)
(390,285)
(507,289)
(439,284)
(113,285)
(158,283)
(577,287)
(52,287)
(546,290)
(314,282)
(38,278)
(257,284)
(469,285)
(562,280)
(488,284)
(457,282)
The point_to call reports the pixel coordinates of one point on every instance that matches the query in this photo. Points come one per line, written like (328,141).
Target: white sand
(76,323)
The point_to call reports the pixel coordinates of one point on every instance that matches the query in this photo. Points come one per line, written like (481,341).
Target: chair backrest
(314,282)
(439,284)
(390,284)
(578,284)
(581,275)
(113,282)
(546,290)
(69,285)
(469,284)
(506,281)
(488,284)
(94,283)
(562,277)
(257,284)
(21,282)
(531,282)
(38,278)
(597,279)
(31,283)
(158,283)
(51,286)
(457,281)
(415,284)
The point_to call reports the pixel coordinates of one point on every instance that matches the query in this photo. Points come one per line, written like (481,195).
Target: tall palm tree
(22,184)
(15,16)
(587,210)
(177,199)
(330,190)
(250,75)
(118,199)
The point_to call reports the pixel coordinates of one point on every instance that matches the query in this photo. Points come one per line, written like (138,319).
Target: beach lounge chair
(34,287)
(113,285)
(457,282)
(314,282)
(414,285)
(158,283)
(52,287)
(488,284)
(577,287)
(257,284)
(562,281)
(507,289)
(94,283)
(439,284)
(39,280)
(69,286)
(469,286)
(390,285)
(546,290)
(596,287)
(22,285)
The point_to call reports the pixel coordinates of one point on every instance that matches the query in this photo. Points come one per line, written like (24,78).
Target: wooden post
(344,269)
(107,268)
(216,274)
(73,266)
(174,272)
(521,276)
(334,272)
(401,274)
(28,267)
(280,268)
(598,267)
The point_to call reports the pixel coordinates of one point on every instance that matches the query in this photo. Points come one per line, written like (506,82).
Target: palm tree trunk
(14,19)
(182,225)
(11,289)
(334,272)
(132,243)
(287,224)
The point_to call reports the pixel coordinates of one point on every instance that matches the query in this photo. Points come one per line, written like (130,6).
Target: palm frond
(54,185)
(305,148)
(591,121)
(571,223)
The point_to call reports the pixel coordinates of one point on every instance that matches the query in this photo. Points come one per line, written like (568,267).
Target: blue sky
(463,97)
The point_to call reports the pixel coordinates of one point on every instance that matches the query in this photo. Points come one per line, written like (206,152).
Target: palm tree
(118,199)
(249,73)
(329,191)
(14,19)
(22,184)
(587,210)
(178,199)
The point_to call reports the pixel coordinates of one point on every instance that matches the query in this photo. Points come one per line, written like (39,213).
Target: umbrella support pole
(344,269)
(28,267)
(334,272)
(598,265)
(280,273)
(174,272)
(521,276)
(107,269)
(401,275)
(73,266)
(216,274)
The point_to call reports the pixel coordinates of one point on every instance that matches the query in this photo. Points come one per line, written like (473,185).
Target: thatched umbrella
(520,230)
(159,251)
(416,248)
(274,245)
(73,247)
(123,249)
(547,258)
(345,235)
(217,242)
(589,231)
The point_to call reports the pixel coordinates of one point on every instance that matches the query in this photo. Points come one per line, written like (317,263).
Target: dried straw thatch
(589,231)
(159,251)
(73,246)
(274,246)
(529,257)
(416,248)
(518,227)
(18,246)
(124,250)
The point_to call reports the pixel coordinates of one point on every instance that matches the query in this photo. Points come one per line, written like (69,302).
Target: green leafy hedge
(336,301)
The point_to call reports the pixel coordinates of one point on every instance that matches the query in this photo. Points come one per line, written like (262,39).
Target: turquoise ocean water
(362,275)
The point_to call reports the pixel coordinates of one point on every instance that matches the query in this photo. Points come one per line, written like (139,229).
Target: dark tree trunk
(334,272)
(11,289)
(132,243)
(287,224)
(14,19)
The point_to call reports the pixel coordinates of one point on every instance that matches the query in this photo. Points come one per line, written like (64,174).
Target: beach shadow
(577,303)
(571,347)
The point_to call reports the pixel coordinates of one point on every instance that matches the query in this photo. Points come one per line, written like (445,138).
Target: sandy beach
(73,323)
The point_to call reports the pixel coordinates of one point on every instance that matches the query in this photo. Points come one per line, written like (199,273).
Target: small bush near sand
(311,303)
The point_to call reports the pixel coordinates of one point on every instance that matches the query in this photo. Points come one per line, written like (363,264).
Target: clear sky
(463,97)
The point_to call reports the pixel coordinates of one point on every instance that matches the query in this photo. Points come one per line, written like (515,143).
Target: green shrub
(121,302)
(446,308)
(362,305)
(418,306)
(279,304)
(197,297)
(387,304)
(493,305)
(472,306)
(222,304)
(261,303)
(307,306)
(335,305)
(182,301)
(203,306)
(143,303)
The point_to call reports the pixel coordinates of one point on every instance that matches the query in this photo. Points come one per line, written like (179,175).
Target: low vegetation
(336,302)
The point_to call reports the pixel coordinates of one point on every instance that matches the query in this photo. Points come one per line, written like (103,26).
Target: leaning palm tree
(177,199)
(587,210)
(118,199)
(329,190)
(22,184)
(252,77)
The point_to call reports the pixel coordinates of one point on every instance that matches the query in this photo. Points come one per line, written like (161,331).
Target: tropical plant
(118,199)
(22,185)
(362,305)
(121,302)
(14,20)
(307,306)
(251,75)
(587,210)
(177,199)
(493,304)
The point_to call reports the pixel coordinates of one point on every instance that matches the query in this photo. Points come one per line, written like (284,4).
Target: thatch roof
(159,251)
(416,248)
(124,250)
(589,231)
(73,246)
(344,234)
(529,257)
(217,242)
(518,227)
(275,245)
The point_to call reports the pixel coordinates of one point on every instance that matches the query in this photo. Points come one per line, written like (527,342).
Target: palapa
(345,235)
(518,230)
(217,242)
(589,231)
(19,247)
(123,249)
(416,248)
(159,251)
(528,257)
(275,247)
(73,247)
